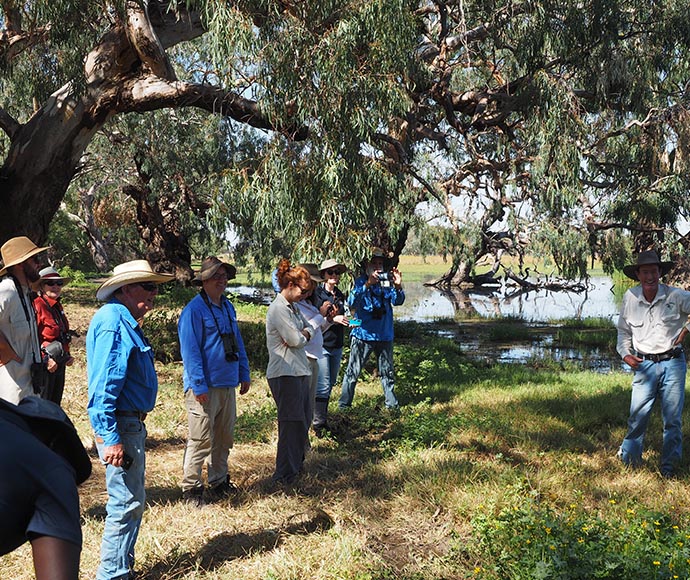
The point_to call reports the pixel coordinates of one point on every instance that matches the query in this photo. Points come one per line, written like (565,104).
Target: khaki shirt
(651,328)
(22,334)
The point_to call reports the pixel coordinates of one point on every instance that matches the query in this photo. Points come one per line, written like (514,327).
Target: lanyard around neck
(205,298)
(33,330)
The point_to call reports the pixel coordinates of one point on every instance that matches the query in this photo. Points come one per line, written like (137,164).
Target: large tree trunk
(87,223)
(127,72)
(457,275)
(160,228)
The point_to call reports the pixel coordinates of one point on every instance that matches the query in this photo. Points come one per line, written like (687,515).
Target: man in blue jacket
(372,300)
(123,386)
(215,363)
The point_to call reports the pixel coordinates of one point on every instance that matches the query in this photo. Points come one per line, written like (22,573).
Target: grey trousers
(292,398)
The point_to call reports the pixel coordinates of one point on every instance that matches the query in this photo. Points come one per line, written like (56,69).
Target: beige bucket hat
(17,250)
(332,264)
(130,273)
(314,273)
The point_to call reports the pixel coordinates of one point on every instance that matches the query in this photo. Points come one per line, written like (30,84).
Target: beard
(30,272)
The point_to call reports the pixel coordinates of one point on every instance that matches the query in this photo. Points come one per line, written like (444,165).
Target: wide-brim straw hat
(332,264)
(314,273)
(210,266)
(647,258)
(49,274)
(17,250)
(130,273)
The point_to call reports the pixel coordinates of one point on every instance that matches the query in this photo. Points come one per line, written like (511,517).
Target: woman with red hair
(288,372)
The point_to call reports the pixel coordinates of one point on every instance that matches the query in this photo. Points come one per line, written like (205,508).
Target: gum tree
(536,124)
(545,127)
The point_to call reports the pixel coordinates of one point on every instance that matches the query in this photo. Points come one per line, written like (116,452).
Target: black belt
(138,414)
(662,356)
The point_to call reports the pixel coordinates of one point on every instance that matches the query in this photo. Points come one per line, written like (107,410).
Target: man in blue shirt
(215,362)
(122,389)
(372,300)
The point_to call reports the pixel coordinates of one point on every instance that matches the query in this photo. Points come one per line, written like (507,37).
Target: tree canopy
(542,126)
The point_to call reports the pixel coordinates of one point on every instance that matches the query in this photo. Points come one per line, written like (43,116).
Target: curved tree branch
(8,124)
(149,93)
(145,42)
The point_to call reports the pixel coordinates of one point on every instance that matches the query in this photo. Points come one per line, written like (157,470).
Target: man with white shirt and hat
(22,368)
(651,328)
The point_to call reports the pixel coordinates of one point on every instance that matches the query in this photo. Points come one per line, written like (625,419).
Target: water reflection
(423,303)
(537,308)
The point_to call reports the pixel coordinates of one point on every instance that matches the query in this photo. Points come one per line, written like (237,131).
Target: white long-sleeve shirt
(651,327)
(22,335)
(314,348)
(285,341)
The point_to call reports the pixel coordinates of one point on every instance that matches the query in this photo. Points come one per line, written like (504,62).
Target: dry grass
(341,520)
(373,503)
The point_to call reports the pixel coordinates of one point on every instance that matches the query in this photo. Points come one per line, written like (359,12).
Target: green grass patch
(530,539)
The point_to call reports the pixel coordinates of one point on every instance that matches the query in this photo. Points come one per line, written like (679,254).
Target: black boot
(320,416)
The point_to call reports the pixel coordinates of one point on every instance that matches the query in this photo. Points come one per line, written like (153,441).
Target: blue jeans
(664,380)
(126,501)
(359,352)
(329,367)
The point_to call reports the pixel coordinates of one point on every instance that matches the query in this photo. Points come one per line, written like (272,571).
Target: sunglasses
(333,272)
(148,286)
(54,283)
(303,291)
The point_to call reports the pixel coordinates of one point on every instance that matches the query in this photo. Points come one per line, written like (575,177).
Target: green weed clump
(530,539)
(593,332)
(425,425)
(435,370)
(160,326)
(254,338)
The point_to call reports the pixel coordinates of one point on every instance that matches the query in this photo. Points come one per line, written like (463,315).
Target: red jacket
(51,319)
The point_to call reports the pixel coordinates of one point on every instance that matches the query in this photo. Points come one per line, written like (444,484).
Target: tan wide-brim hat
(332,264)
(313,270)
(130,273)
(49,274)
(210,266)
(17,250)
(647,258)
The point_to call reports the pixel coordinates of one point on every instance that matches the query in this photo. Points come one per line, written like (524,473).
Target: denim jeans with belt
(126,501)
(359,352)
(664,380)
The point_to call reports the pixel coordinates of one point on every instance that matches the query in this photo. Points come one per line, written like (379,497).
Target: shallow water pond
(425,303)
(537,309)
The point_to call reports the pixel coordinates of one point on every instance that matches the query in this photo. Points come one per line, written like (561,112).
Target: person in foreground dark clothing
(42,461)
